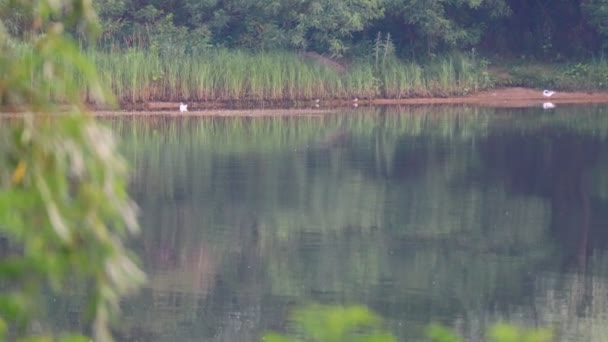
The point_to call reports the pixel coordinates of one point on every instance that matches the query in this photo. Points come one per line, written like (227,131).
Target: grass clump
(591,75)
(139,76)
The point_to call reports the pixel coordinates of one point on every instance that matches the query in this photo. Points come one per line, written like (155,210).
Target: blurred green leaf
(64,208)
(439,333)
(73,338)
(274,337)
(510,333)
(335,323)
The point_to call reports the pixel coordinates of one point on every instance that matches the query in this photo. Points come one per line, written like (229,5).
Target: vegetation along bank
(205,51)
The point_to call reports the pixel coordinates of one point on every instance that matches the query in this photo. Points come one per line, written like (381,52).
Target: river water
(462,216)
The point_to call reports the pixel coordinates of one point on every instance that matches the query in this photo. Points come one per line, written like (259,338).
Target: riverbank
(237,79)
(509,97)
(512,97)
(225,76)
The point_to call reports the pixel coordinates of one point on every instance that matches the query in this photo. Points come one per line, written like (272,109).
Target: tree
(544,28)
(434,25)
(597,13)
(64,209)
(322,25)
(328,25)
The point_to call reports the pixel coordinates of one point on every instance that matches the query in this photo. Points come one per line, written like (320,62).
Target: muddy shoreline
(505,97)
(514,97)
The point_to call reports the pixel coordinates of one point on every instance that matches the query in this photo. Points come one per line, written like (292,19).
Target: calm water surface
(462,216)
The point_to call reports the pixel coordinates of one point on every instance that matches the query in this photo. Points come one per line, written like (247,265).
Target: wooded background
(549,29)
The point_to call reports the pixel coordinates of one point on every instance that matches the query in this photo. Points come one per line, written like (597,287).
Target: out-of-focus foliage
(64,209)
(333,324)
(497,333)
(321,323)
(439,333)
(509,333)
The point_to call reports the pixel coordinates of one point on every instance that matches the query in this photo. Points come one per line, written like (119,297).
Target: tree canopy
(544,28)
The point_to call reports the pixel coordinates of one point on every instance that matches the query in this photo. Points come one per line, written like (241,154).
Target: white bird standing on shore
(183,107)
(548,93)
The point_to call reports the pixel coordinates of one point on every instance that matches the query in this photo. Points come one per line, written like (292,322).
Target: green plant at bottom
(497,333)
(321,323)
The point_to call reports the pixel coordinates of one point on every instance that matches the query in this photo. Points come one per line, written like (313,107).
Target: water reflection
(463,216)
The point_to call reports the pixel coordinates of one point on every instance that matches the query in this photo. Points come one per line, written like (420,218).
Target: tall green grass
(138,75)
(225,75)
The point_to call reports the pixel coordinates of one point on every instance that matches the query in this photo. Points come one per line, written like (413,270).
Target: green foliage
(439,333)
(259,25)
(442,24)
(333,324)
(383,50)
(329,23)
(15,16)
(509,333)
(592,75)
(321,323)
(497,333)
(597,12)
(140,76)
(418,28)
(64,209)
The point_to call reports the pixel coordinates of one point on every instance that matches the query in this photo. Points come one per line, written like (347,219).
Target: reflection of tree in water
(421,219)
(557,166)
(183,260)
(561,167)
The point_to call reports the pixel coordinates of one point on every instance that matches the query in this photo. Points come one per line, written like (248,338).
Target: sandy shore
(504,97)
(514,97)
(509,97)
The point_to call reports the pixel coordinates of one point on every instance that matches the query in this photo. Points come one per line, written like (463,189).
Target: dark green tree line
(544,28)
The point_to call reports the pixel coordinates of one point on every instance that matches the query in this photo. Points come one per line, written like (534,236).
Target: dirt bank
(508,97)
(504,97)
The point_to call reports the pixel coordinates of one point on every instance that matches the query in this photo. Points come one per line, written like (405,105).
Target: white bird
(183,107)
(355,99)
(548,93)
(548,105)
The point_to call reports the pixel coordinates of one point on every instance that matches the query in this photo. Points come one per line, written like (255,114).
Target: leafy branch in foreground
(64,209)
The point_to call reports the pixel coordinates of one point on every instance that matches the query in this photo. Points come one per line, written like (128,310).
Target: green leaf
(439,333)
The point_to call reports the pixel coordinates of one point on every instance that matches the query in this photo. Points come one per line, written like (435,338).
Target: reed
(138,75)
